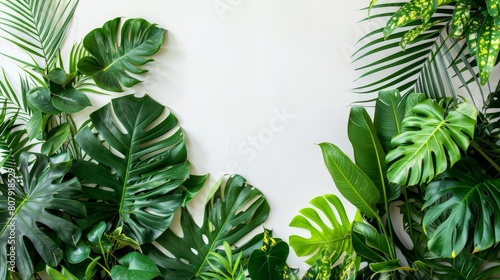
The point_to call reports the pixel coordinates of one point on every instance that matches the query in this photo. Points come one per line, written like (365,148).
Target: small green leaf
(268,265)
(56,275)
(39,98)
(472,34)
(57,76)
(488,47)
(135,266)
(412,34)
(56,137)
(98,244)
(493,7)
(34,127)
(90,271)
(77,254)
(461,18)
(70,101)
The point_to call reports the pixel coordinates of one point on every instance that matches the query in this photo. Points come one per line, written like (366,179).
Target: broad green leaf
(90,271)
(268,264)
(331,235)
(77,253)
(411,101)
(33,201)
(430,142)
(347,270)
(38,27)
(70,101)
(232,212)
(411,11)
(41,99)
(464,267)
(350,180)
(488,48)
(118,52)
(461,18)
(464,201)
(57,76)
(389,113)
(56,138)
(368,152)
(97,241)
(35,125)
(142,166)
(494,11)
(135,266)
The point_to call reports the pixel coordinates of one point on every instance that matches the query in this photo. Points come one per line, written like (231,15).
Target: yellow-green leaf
(461,17)
(488,47)
(411,35)
(411,11)
(493,7)
(473,34)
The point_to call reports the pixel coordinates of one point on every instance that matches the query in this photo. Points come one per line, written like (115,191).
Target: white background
(229,76)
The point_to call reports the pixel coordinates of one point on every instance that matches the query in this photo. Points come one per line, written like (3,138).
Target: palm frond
(38,27)
(14,98)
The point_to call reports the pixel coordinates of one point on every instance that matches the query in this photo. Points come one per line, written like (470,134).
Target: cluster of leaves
(414,154)
(97,201)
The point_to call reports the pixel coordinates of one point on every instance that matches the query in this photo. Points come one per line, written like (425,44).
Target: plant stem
(476,147)
(405,194)
(103,267)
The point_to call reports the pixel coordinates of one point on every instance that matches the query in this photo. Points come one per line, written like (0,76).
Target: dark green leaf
(37,195)
(230,214)
(370,245)
(389,113)
(463,201)
(56,137)
(135,266)
(63,275)
(78,253)
(268,265)
(461,18)
(350,180)
(488,48)
(142,165)
(113,61)
(41,99)
(97,241)
(57,76)
(472,35)
(70,101)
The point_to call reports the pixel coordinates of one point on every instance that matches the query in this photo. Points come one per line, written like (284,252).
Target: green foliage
(270,261)
(464,201)
(135,266)
(332,235)
(230,269)
(139,175)
(31,202)
(232,211)
(430,142)
(350,180)
(118,51)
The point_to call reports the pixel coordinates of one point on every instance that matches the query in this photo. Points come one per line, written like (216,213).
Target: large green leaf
(231,213)
(137,169)
(464,201)
(411,11)
(488,48)
(134,266)
(368,152)
(116,55)
(38,27)
(350,180)
(29,207)
(389,114)
(332,234)
(430,142)
(269,262)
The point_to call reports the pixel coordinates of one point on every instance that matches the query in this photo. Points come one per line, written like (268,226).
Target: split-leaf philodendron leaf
(142,166)
(114,63)
(28,202)
(465,201)
(231,213)
(430,142)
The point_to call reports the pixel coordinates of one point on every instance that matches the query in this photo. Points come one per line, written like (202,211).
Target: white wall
(230,76)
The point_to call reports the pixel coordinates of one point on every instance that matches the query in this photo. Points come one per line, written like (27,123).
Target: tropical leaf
(488,48)
(411,11)
(38,27)
(142,166)
(331,235)
(461,18)
(28,208)
(368,152)
(13,141)
(16,102)
(269,262)
(463,201)
(350,180)
(231,269)
(134,266)
(112,61)
(430,142)
(389,113)
(231,213)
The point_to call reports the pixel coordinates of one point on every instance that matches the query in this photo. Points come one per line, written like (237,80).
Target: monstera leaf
(333,236)
(28,209)
(230,214)
(142,165)
(112,61)
(430,142)
(468,201)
